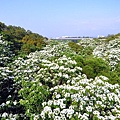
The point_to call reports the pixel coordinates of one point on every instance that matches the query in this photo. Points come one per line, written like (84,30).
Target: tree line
(22,41)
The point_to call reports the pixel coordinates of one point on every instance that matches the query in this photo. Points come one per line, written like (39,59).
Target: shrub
(33,93)
(75,47)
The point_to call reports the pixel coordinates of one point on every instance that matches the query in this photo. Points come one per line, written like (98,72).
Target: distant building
(100,36)
(64,36)
(57,38)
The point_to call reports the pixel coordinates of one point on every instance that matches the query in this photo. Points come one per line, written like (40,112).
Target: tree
(15,33)
(32,42)
(2,26)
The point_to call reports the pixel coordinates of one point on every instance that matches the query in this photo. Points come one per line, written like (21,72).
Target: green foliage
(9,93)
(87,51)
(14,32)
(117,68)
(6,53)
(80,60)
(117,35)
(27,48)
(9,97)
(33,94)
(55,80)
(111,37)
(32,42)
(95,66)
(84,51)
(89,71)
(23,42)
(2,26)
(75,47)
(113,76)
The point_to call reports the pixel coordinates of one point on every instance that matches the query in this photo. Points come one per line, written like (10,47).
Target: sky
(56,18)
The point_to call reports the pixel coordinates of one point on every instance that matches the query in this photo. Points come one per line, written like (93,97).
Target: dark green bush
(113,77)
(87,51)
(117,68)
(75,47)
(89,71)
(93,67)
(80,60)
(96,65)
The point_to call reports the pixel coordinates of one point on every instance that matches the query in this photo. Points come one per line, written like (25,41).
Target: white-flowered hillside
(5,51)
(9,99)
(109,51)
(53,83)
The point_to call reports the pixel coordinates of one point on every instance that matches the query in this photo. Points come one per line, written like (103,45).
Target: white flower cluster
(10,116)
(90,42)
(46,65)
(5,52)
(109,51)
(5,80)
(84,100)
(72,94)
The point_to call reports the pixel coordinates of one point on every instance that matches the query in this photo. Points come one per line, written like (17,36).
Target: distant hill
(24,41)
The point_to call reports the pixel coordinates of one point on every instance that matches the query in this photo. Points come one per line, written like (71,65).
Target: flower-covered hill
(64,81)
(109,51)
(9,98)
(98,57)
(68,92)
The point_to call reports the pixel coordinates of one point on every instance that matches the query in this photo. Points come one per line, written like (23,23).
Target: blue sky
(55,18)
